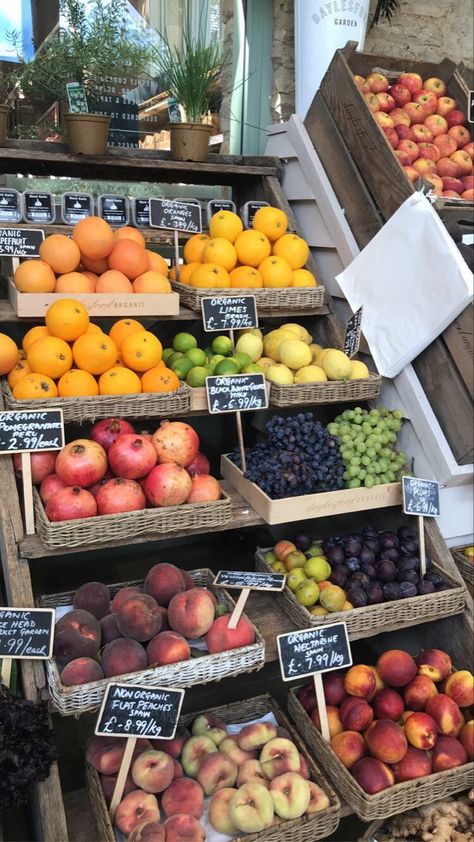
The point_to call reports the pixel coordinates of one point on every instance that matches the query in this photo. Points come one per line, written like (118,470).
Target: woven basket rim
(217,292)
(142,397)
(373,377)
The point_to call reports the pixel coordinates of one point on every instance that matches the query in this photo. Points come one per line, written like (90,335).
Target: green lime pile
(368,442)
(194,364)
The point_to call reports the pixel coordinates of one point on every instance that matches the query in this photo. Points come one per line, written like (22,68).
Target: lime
(222,345)
(216,358)
(242,358)
(210,369)
(235,360)
(167,353)
(197,376)
(196,356)
(176,355)
(226,367)
(208,351)
(252,369)
(181,367)
(184,342)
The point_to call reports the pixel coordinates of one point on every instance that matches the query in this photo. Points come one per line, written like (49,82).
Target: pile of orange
(69,356)
(262,256)
(95,259)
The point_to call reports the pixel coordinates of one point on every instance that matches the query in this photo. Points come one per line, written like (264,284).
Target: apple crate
(389,802)
(464,565)
(268,300)
(72,701)
(305,829)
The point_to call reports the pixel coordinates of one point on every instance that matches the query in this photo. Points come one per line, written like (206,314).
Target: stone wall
(283,56)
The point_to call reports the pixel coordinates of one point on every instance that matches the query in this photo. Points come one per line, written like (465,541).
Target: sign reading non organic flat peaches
(311,651)
(131,710)
(175,216)
(252,580)
(233,312)
(236,393)
(26,633)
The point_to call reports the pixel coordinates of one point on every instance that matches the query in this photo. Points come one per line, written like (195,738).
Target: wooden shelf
(151,235)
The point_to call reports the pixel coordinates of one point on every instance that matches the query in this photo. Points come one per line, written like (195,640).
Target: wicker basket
(146,405)
(306,829)
(268,300)
(389,802)
(335,391)
(465,567)
(128,525)
(374,619)
(201,670)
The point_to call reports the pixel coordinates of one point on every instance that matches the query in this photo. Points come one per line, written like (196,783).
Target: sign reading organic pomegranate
(131,710)
(26,431)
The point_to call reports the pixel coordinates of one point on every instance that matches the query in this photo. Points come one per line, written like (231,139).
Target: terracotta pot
(4,112)
(87,133)
(189,141)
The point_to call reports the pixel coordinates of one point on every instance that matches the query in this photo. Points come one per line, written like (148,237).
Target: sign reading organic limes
(233,312)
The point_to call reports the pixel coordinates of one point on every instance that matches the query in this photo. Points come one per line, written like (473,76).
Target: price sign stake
(352,337)
(247,581)
(312,652)
(421,498)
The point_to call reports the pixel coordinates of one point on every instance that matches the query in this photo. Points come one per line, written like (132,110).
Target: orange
(51,356)
(94,352)
(151,282)
(220,252)
(74,282)
(157,263)
(159,379)
(98,267)
(118,360)
(272,222)
(123,328)
(34,276)
(113,281)
(293,249)
(77,384)
(61,253)
(209,276)
(303,278)
(186,270)
(129,233)
(93,329)
(141,350)
(252,247)
(246,277)
(35,386)
(226,224)
(194,247)
(34,333)
(67,318)
(119,381)
(21,369)
(128,257)
(275,272)
(95,238)
(9,354)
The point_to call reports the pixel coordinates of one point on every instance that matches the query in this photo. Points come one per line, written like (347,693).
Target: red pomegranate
(119,495)
(204,489)
(199,465)
(82,462)
(71,504)
(167,485)
(49,486)
(132,456)
(108,430)
(42,464)
(94,488)
(177,442)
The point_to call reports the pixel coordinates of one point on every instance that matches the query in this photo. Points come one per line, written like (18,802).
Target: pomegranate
(71,504)
(204,489)
(119,495)
(132,456)
(94,488)
(177,442)
(50,484)
(167,485)
(199,465)
(108,430)
(82,462)
(42,464)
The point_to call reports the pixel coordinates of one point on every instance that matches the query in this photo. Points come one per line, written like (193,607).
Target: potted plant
(8,81)
(92,45)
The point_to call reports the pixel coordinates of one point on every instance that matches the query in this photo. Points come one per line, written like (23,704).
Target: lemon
(314,348)
(264,362)
(221,345)
(196,356)
(359,370)
(252,331)
(197,376)
(272,341)
(251,345)
(299,331)
(279,374)
(294,353)
(310,374)
(319,355)
(184,342)
(337,365)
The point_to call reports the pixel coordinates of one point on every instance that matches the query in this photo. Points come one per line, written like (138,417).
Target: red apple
(469,148)
(403,157)
(462,158)
(455,117)
(412,81)
(445,105)
(450,194)
(448,169)
(435,85)
(415,111)
(421,134)
(361,84)
(461,135)
(428,100)
(399,116)
(386,102)
(429,150)
(445,144)
(436,124)
(403,131)
(400,94)
(424,166)
(372,102)
(377,83)
(384,120)
(410,148)
(411,173)
(391,136)
(450,183)
(436,183)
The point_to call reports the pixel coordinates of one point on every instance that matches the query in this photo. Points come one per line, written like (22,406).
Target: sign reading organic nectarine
(311,651)
(132,710)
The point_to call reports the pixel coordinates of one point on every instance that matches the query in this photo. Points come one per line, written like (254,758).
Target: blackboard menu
(114,209)
(20,242)
(26,633)
(236,393)
(175,216)
(309,651)
(23,431)
(76,206)
(420,497)
(232,312)
(352,337)
(10,205)
(141,212)
(38,207)
(250,579)
(131,710)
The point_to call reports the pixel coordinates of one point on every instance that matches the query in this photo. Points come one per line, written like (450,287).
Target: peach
(446,144)
(230,747)
(93,597)
(446,714)
(109,629)
(216,771)
(400,117)
(466,738)
(396,667)
(445,105)
(279,756)
(455,117)
(163,581)
(219,815)
(415,111)
(165,626)
(410,148)
(137,807)
(461,135)
(318,800)
(377,82)
(468,195)
(178,771)
(81,671)
(304,768)
(220,638)
(418,692)
(372,102)
(251,770)
(356,715)
(373,775)
(386,740)
(421,730)
(383,120)
(428,100)
(123,656)
(429,150)
(256,735)
(436,124)
(183,828)
(334,721)
(251,808)
(153,771)
(349,747)
(183,796)
(108,782)
(460,687)
(77,635)
(448,169)
(415,764)
(139,618)
(360,681)
(291,795)
(448,753)
(334,690)
(421,134)
(191,613)
(105,754)
(193,752)
(173,747)
(388,704)
(463,159)
(121,596)
(283,548)
(148,832)
(211,726)
(168,648)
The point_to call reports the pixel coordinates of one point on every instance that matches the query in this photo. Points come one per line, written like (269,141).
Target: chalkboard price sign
(20,242)
(131,710)
(250,579)
(229,313)
(311,651)
(420,497)
(236,393)
(175,216)
(26,633)
(23,431)
(352,337)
